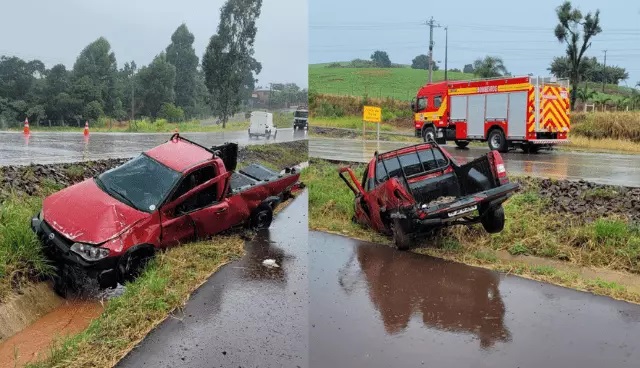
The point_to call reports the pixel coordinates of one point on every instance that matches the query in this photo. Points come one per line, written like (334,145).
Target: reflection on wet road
(247,314)
(372,306)
(600,168)
(46,148)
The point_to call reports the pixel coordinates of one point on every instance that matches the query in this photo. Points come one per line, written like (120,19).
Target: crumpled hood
(84,213)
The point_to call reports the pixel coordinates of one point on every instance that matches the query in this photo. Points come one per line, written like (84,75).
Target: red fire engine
(508,112)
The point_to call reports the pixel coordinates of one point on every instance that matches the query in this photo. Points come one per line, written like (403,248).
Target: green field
(399,83)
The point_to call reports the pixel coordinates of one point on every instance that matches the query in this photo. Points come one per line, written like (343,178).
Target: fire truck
(509,112)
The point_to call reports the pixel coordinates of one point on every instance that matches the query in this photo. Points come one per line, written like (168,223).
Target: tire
(132,264)
(262,217)
(401,239)
(429,131)
(67,281)
(493,221)
(531,148)
(462,144)
(295,127)
(497,141)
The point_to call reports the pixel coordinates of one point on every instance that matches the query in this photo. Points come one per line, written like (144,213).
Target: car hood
(84,213)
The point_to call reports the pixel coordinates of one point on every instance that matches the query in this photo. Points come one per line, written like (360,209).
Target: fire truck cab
(507,112)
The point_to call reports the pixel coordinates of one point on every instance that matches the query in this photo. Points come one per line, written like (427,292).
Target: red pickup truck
(416,189)
(109,226)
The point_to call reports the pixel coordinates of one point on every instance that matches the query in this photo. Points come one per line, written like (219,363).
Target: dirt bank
(585,199)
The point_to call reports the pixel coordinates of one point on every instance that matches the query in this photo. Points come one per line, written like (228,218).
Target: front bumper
(57,248)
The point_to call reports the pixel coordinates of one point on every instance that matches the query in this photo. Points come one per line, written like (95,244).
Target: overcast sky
(521,32)
(56,31)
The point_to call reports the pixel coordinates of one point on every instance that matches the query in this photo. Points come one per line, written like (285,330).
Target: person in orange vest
(86,128)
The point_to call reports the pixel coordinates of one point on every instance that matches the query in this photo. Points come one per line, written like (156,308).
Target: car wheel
(401,239)
(133,264)
(497,141)
(462,144)
(262,217)
(493,220)
(429,134)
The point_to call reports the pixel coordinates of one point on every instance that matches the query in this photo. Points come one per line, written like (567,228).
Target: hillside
(403,83)
(398,83)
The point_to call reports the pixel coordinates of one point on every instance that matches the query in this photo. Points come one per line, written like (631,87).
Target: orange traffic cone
(86,128)
(175,130)
(26,129)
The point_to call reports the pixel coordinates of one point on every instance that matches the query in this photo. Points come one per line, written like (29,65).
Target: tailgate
(466,205)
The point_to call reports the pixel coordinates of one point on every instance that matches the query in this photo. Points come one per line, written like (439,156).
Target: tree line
(175,86)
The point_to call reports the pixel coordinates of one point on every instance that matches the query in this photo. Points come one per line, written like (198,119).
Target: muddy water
(32,343)
(48,147)
(247,314)
(602,168)
(372,306)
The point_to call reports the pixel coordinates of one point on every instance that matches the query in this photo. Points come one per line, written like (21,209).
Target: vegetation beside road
(608,242)
(105,125)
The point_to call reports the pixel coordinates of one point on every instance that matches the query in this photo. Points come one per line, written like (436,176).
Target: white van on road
(261,125)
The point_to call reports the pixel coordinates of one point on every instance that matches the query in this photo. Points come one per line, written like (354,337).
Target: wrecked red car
(109,226)
(414,190)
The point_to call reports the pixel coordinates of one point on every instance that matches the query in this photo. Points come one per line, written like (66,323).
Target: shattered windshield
(142,183)
(301,114)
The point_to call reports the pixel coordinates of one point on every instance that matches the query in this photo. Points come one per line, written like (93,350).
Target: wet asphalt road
(373,306)
(246,315)
(600,168)
(54,147)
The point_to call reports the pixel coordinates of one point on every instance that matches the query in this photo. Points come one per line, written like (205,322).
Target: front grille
(58,243)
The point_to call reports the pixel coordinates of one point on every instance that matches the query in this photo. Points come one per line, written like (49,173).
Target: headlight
(89,252)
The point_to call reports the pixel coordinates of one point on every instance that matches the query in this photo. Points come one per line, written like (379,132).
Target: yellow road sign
(372,114)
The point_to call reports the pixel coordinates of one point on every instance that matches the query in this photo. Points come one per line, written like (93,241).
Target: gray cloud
(56,31)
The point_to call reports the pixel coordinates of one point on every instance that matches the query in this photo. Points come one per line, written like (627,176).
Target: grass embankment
(610,243)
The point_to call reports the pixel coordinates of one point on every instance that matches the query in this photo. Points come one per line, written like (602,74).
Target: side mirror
(413,104)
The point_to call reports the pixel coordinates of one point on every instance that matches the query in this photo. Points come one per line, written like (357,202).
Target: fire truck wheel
(497,141)
(531,148)
(493,220)
(462,144)
(429,133)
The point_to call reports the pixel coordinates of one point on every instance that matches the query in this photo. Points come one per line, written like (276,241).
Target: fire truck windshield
(422,103)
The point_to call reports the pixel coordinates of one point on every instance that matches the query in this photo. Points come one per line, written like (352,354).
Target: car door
(195,209)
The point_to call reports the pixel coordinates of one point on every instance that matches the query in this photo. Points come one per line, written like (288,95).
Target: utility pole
(604,72)
(431,23)
(446,51)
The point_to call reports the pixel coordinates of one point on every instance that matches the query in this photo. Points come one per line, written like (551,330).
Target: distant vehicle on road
(300,118)
(261,125)
(109,226)
(413,190)
(506,112)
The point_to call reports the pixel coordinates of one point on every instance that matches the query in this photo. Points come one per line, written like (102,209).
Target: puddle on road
(373,306)
(34,342)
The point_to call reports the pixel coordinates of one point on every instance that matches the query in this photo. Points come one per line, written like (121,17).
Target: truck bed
(251,176)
